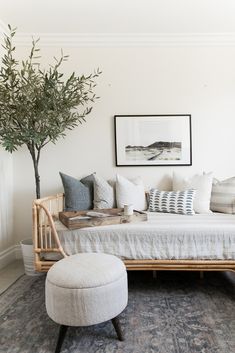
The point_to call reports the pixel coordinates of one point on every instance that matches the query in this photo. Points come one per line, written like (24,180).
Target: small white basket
(28,257)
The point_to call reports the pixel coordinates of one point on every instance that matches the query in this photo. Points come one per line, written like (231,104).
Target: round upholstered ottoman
(86,289)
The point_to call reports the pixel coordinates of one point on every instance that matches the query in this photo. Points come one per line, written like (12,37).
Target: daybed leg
(62,333)
(201,274)
(117,327)
(154,274)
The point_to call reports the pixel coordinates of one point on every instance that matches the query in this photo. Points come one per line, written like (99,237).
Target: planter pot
(28,257)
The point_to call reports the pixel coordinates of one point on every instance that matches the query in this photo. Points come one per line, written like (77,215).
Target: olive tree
(37,106)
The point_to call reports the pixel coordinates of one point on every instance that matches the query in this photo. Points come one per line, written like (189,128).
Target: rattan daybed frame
(46,240)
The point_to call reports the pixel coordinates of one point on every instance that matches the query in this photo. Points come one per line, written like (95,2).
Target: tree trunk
(37,179)
(35,157)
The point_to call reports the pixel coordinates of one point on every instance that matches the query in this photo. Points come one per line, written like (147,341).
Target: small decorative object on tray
(94,218)
(128,210)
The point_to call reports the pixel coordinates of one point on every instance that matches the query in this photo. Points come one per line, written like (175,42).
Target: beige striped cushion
(104,193)
(223,196)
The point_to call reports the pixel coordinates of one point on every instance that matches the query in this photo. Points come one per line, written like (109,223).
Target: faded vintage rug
(175,313)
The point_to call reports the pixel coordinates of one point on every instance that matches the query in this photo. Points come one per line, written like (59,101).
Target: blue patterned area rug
(175,313)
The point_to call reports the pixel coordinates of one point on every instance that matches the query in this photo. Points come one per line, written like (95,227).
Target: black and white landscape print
(159,150)
(153,140)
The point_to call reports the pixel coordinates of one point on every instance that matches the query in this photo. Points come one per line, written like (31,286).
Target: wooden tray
(114,216)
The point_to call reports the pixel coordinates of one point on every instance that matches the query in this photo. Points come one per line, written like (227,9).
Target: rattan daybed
(48,245)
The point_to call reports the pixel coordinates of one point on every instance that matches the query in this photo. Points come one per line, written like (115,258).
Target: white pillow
(202,184)
(130,192)
(104,193)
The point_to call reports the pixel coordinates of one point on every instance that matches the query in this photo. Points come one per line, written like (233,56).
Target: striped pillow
(223,196)
(172,201)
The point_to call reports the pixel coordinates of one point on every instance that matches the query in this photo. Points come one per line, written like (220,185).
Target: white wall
(177,80)
(6,208)
(6,187)
(120,16)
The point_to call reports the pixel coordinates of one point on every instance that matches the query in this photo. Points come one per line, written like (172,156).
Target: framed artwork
(153,140)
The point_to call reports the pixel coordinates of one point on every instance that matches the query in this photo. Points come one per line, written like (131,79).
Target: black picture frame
(136,144)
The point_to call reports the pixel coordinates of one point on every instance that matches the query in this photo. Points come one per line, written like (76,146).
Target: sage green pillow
(78,193)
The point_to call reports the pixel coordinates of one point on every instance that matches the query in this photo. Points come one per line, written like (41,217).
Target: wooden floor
(10,274)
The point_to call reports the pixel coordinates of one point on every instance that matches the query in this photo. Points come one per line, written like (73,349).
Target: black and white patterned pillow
(172,201)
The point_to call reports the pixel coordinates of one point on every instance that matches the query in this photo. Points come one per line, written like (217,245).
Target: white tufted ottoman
(86,289)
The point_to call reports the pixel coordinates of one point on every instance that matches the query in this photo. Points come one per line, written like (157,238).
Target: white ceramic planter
(28,257)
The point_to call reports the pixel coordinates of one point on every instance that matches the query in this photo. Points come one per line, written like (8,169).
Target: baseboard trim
(9,255)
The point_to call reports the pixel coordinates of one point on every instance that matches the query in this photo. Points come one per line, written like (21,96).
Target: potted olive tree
(37,106)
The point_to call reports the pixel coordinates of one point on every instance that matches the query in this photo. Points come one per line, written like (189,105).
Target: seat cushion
(86,270)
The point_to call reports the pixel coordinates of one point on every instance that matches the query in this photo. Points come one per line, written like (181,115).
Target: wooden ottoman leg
(62,333)
(117,327)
